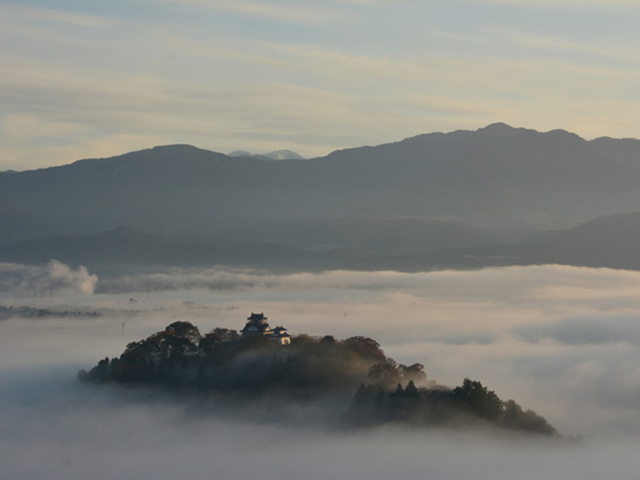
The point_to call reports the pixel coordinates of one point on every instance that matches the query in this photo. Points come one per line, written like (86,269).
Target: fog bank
(17,280)
(563,341)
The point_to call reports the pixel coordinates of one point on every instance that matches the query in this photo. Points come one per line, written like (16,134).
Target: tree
(399,391)
(515,417)
(481,401)
(414,373)
(384,374)
(366,348)
(216,337)
(226,335)
(411,391)
(185,330)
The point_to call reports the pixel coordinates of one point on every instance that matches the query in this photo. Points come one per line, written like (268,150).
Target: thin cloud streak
(573,4)
(29,15)
(97,84)
(296,13)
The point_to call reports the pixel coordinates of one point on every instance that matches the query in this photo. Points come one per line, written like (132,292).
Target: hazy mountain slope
(624,149)
(365,233)
(611,241)
(162,189)
(126,247)
(355,243)
(275,155)
(15,226)
(497,176)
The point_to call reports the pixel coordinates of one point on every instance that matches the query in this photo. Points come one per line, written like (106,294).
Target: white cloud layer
(563,341)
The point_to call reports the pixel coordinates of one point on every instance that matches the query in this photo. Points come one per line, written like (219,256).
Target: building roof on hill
(280,332)
(257,325)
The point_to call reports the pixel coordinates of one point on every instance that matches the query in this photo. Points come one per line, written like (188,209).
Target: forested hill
(309,369)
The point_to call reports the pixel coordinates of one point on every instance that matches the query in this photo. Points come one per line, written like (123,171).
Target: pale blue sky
(94,78)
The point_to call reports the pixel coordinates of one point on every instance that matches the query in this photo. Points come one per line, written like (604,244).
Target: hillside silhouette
(498,177)
(263,363)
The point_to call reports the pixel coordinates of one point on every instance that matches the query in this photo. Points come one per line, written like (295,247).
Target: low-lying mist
(562,341)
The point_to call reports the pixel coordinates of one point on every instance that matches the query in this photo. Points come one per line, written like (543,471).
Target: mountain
(610,241)
(124,247)
(498,177)
(350,243)
(366,234)
(276,155)
(240,153)
(624,149)
(282,155)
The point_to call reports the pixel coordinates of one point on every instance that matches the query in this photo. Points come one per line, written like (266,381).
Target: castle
(257,325)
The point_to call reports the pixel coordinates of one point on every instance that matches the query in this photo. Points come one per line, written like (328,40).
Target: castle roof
(281,332)
(257,325)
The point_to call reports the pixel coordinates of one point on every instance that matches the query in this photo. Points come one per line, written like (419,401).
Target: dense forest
(307,369)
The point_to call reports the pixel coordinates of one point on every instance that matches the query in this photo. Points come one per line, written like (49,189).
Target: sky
(563,341)
(94,79)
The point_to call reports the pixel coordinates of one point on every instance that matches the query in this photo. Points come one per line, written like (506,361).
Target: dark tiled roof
(257,325)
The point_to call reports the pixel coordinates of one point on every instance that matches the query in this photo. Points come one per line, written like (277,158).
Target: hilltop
(263,363)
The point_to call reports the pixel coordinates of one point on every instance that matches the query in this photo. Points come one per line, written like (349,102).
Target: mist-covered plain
(563,341)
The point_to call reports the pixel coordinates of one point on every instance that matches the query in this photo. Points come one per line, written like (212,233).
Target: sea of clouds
(563,341)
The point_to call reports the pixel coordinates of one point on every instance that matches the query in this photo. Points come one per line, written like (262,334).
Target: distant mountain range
(124,247)
(448,193)
(610,241)
(277,155)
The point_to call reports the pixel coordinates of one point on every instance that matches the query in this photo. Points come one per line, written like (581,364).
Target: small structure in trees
(257,325)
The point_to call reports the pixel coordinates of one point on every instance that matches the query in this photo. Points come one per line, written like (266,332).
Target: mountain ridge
(609,241)
(499,177)
(494,129)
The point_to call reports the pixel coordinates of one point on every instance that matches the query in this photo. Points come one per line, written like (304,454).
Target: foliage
(471,402)
(222,361)
(478,399)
